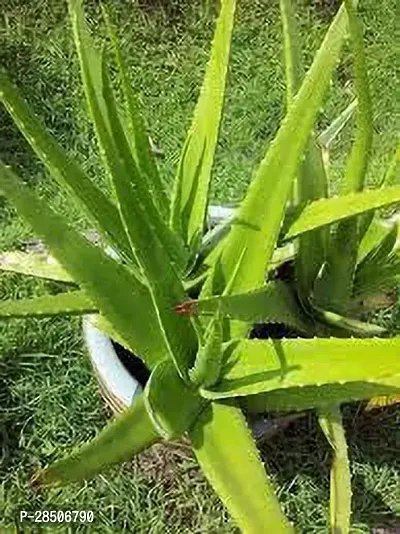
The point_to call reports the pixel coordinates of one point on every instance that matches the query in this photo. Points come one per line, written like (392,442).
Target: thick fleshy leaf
(228,462)
(165,285)
(353,327)
(32,264)
(298,399)
(331,423)
(331,210)
(113,288)
(123,438)
(114,146)
(64,168)
(311,179)
(255,366)
(192,183)
(207,366)
(136,130)
(374,235)
(336,284)
(172,405)
(258,221)
(274,303)
(72,303)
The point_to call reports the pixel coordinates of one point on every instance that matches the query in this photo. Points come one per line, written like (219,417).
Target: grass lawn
(48,397)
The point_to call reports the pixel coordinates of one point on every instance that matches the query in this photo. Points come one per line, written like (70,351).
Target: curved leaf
(326,138)
(122,439)
(331,210)
(228,462)
(38,265)
(113,288)
(192,183)
(260,215)
(255,366)
(274,303)
(64,168)
(72,303)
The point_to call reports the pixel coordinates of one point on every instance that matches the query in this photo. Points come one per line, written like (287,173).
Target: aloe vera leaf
(351,326)
(206,369)
(227,462)
(38,265)
(113,288)
(254,366)
(136,129)
(311,179)
(259,217)
(301,398)
(165,285)
(335,288)
(192,182)
(71,303)
(331,423)
(331,210)
(274,303)
(123,438)
(172,405)
(113,144)
(65,169)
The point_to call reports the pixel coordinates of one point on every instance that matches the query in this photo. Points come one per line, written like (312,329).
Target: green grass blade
(337,282)
(113,288)
(327,137)
(274,303)
(64,168)
(136,129)
(259,217)
(192,183)
(298,399)
(123,438)
(38,265)
(331,210)
(171,404)
(228,462)
(331,423)
(254,366)
(72,303)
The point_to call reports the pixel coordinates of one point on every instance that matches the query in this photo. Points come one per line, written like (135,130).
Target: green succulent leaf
(352,327)
(65,169)
(258,221)
(32,264)
(123,438)
(171,404)
(228,462)
(301,398)
(311,179)
(114,146)
(331,423)
(255,366)
(336,284)
(135,129)
(374,235)
(274,303)
(207,366)
(113,288)
(72,303)
(192,183)
(331,210)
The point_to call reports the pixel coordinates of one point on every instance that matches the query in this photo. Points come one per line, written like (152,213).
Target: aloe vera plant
(184,299)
